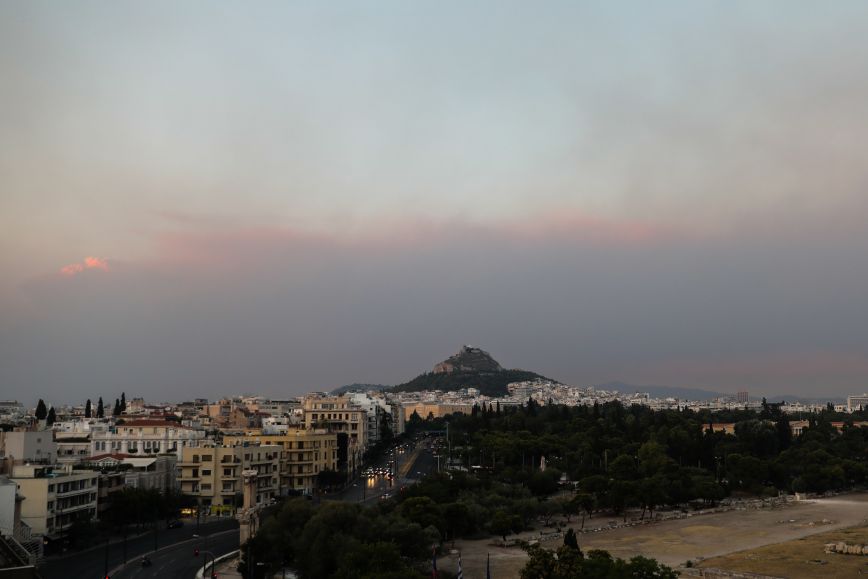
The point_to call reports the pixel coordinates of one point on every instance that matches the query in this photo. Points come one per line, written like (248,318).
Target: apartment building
(18,447)
(55,497)
(304,454)
(213,473)
(857,402)
(9,506)
(337,414)
(145,437)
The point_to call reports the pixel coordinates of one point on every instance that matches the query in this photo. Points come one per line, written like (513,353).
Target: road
(178,561)
(91,564)
(412,465)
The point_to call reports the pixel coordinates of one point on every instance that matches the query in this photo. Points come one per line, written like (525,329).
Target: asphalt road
(178,561)
(371,489)
(90,564)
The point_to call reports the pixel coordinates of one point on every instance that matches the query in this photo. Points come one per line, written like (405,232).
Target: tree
(644,568)
(41,410)
(116,411)
(571,541)
(502,523)
(51,418)
(386,434)
(100,410)
(87,409)
(123,404)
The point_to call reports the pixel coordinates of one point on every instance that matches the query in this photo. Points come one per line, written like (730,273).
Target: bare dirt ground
(677,541)
(802,558)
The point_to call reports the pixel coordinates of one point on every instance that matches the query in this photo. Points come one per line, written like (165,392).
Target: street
(367,489)
(91,563)
(178,562)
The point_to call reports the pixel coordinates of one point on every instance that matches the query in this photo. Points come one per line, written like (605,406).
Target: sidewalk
(227,570)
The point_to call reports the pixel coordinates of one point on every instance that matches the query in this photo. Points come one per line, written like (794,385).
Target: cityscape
(452,290)
(67,469)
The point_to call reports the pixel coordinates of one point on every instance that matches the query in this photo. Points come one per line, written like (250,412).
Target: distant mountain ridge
(702,394)
(357,387)
(663,391)
(470,367)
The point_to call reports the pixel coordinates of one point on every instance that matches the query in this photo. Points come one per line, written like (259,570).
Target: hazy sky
(205,198)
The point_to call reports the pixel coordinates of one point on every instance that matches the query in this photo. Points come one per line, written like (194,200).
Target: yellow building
(213,473)
(435,410)
(55,497)
(304,453)
(338,414)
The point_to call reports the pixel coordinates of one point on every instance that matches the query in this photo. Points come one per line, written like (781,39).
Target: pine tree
(87,409)
(100,410)
(123,401)
(41,410)
(116,411)
(49,420)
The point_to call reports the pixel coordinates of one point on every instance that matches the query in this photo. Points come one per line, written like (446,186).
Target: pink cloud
(96,263)
(89,262)
(72,269)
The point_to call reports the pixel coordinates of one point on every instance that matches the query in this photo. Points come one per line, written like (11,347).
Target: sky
(206,198)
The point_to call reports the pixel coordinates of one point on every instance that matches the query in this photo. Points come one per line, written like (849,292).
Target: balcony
(75,508)
(73,492)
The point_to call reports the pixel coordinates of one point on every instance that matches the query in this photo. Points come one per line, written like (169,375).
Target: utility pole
(448,446)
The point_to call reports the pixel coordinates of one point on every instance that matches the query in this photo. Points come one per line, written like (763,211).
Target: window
(206,458)
(227,472)
(206,472)
(206,486)
(51,488)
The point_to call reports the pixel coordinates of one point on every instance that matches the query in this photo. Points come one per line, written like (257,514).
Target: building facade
(18,447)
(145,437)
(55,497)
(213,473)
(304,454)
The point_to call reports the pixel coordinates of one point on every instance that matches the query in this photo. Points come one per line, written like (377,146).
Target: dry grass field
(800,559)
(696,538)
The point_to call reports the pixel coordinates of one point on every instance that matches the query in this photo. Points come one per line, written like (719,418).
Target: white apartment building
(8,505)
(857,402)
(146,437)
(55,497)
(22,446)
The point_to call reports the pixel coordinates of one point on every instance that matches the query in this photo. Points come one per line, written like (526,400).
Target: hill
(469,368)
